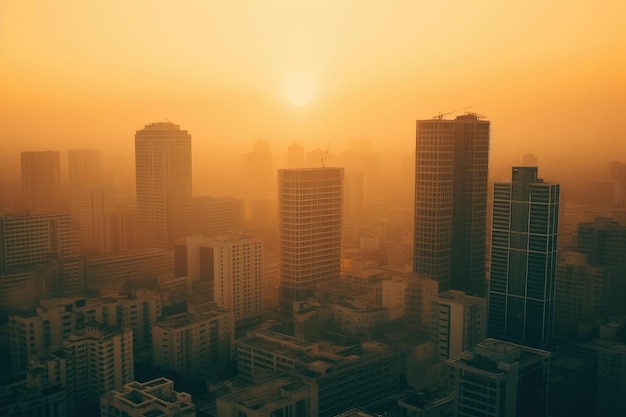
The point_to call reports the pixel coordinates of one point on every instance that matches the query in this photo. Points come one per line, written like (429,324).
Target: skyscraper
(163,174)
(310,208)
(523,259)
(41,181)
(451,162)
(83,167)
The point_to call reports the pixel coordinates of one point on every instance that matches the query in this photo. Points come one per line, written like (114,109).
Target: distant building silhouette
(211,216)
(163,182)
(603,241)
(353,196)
(523,259)
(310,216)
(295,156)
(84,167)
(41,181)
(451,163)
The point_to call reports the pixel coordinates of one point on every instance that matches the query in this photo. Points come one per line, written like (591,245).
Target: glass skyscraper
(523,259)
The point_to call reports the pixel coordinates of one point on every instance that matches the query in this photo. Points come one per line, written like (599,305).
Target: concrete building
(357,317)
(93,213)
(84,168)
(346,375)
(523,259)
(232,264)
(34,332)
(310,216)
(581,292)
(99,359)
(194,345)
(459,322)
(21,396)
(18,290)
(26,239)
(163,181)
(451,162)
(500,379)
(420,293)
(147,399)
(41,181)
(285,396)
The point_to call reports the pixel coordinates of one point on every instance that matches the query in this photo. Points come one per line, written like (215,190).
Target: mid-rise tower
(41,181)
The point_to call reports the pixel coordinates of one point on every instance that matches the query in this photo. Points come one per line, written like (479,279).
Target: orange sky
(551,76)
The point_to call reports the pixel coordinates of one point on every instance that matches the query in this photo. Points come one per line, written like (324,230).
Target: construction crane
(440,115)
(325,157)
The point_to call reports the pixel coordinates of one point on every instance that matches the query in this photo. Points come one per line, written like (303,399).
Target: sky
(550,76)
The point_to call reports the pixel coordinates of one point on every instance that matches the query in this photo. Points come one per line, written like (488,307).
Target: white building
(232,264)
(151,398)
(460,322)
(99,359)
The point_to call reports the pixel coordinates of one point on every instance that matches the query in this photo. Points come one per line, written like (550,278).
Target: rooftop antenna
(440,115)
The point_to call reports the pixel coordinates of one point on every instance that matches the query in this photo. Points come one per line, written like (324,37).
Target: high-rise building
(459,322)
(163,181)
(41,181)
(310,216)
(523,259)
(500,379)
(295,156)
(451,162)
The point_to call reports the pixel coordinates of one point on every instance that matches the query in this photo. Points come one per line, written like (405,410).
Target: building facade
(451,162)
(500,379)
(523,259)
(163,182)
(310,216)
(41,181)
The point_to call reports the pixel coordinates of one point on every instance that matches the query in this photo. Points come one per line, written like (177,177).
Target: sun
(299,88)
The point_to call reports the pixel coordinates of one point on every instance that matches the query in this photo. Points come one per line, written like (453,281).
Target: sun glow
(299,88)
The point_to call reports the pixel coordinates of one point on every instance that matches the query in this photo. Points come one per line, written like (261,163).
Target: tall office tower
(523,259)
(295,156)
(100,359)
(194,344)
(92,207)
(500,379)
(151,398)
(581,292)
(233,264)
(27,239)
(259,169)
(41,181)
(604,243)
(310,216)
(163,175)
(84,167)
(352,208)
(211,216)
(451,161)
(460,322)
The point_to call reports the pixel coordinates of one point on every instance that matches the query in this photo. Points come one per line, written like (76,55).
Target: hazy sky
(550,75)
